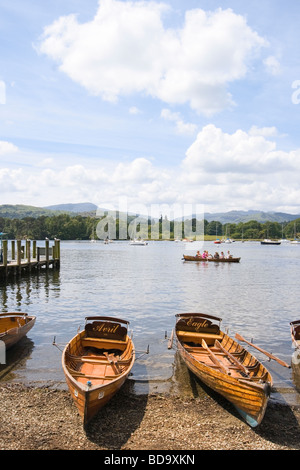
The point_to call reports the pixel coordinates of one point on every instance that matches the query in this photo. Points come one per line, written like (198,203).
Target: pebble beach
(34,418)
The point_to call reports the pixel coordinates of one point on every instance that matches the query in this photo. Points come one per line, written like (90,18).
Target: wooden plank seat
(195,337)
(96,342)
(77,373)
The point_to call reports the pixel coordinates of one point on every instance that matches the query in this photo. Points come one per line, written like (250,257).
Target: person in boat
(216,255)
(205,254)
(228,255)
(222,256)
(198,254)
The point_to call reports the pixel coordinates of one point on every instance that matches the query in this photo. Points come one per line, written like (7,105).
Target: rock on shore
(46,419)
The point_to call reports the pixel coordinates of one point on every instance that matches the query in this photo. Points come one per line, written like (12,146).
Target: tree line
(67,227)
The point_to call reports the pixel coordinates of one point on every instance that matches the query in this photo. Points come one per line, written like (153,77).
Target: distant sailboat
(283,240)
(296,241)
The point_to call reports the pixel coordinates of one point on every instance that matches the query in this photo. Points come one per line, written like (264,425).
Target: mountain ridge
(87,208)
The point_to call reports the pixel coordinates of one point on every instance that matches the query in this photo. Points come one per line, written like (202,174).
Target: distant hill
(20,211)
(235,217)
(78,208)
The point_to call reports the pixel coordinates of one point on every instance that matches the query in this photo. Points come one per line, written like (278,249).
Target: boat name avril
(104,328)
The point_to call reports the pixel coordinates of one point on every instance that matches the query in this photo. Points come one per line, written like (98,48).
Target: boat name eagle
(197,325)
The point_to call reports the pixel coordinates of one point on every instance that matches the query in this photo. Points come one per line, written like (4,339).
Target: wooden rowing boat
(14,326)
(295,333)
(96,363)
(223,364)
(224,260)
(217,260)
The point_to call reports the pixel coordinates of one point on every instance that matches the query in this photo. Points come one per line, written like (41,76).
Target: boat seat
(78,374)
(190,336)
(107,343)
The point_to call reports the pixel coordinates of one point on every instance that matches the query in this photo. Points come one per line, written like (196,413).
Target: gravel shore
(46,419)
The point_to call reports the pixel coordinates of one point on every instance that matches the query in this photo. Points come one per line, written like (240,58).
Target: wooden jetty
(28,257)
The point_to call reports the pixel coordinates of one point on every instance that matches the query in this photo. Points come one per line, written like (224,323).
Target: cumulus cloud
(126,49)
(244,169)
(7,148)
(222,171)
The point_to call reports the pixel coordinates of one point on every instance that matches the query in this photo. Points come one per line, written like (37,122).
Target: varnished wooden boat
(224,260)
(216,260)
(96,363)
(14,326)
(223,364)
(295,332)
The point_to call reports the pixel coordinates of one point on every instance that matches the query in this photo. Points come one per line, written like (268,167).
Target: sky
(159,104)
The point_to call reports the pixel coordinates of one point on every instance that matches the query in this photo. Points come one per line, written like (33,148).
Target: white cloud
(7,148)
(127,49)
(272,64)
(215,152)
(241,170)
(223,171)
(134,110)
(264,131)
(181,126)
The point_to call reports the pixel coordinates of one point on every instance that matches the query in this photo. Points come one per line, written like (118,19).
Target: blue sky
(161,103)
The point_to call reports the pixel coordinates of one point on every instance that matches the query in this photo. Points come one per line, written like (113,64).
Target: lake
(148,285)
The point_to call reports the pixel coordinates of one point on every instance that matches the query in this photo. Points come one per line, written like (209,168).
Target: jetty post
(28,258)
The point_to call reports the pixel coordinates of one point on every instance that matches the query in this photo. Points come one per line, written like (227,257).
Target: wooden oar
(271,356)
(170,342)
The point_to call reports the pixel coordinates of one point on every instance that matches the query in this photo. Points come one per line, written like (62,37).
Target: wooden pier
(28,257)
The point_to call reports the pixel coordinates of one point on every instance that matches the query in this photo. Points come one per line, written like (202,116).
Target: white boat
(267,241)
(138,241)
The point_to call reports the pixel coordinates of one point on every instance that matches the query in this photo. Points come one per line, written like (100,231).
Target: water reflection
(26,289)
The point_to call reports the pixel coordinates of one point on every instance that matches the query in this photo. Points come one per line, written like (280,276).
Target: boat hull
(250,398)
(270,242)
(14,326)
(224,260)
(90,386)
(193,258)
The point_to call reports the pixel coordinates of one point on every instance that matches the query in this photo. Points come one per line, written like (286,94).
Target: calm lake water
(148,285)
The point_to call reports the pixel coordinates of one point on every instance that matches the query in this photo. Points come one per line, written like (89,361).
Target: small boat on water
(96,363)
(267,241)
(14,326)
(295,333)
(221,260)
(138,241)
(223,364)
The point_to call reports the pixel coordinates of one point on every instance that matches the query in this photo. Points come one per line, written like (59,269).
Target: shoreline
(42,418)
